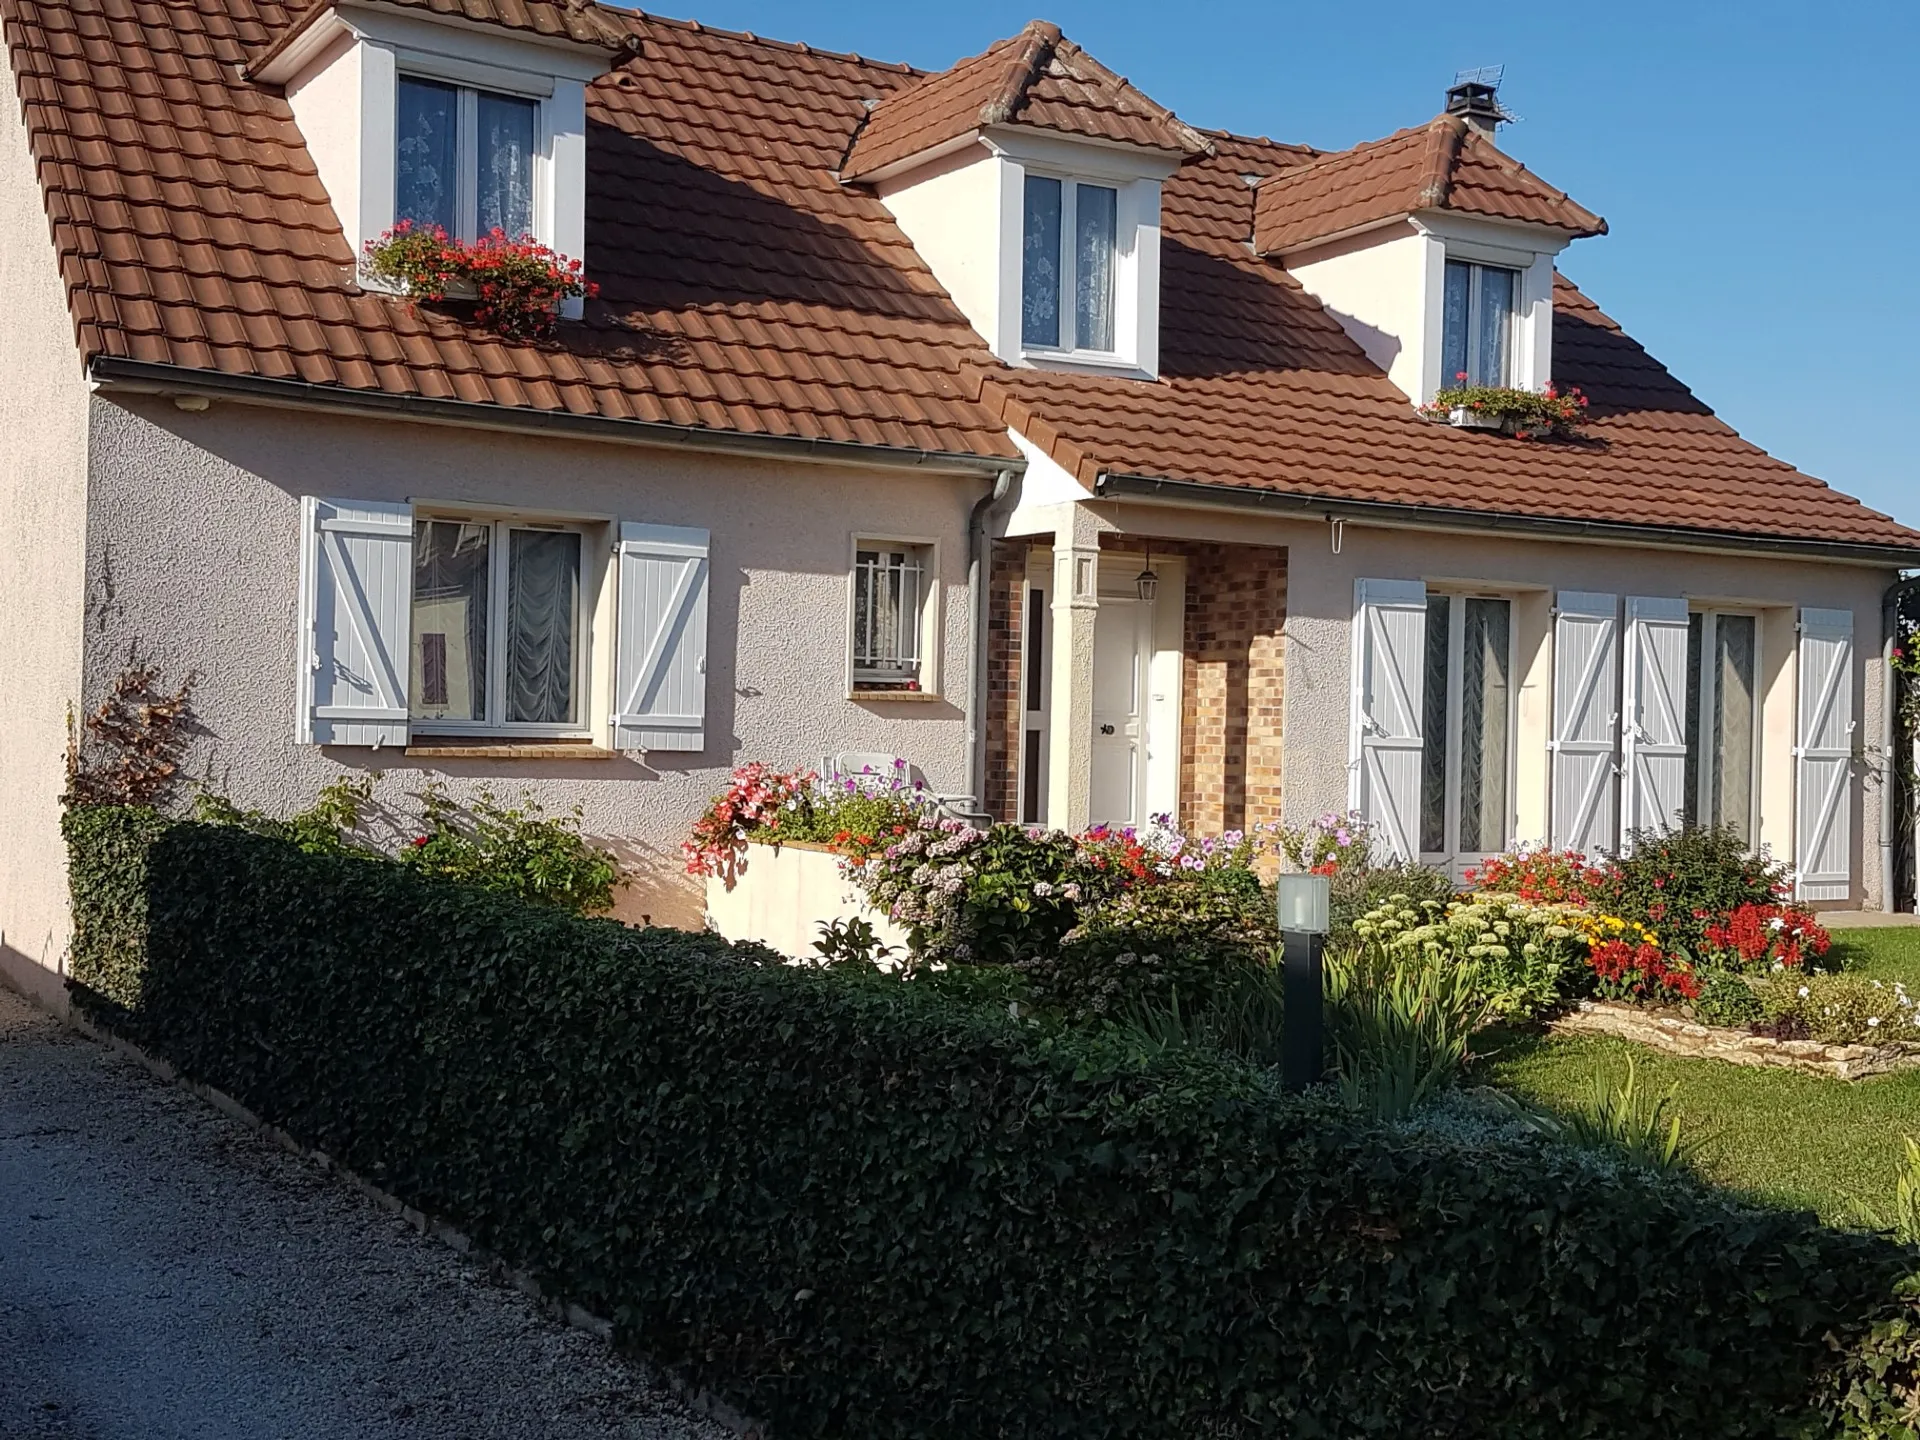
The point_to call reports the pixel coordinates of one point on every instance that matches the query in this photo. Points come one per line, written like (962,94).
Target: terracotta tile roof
(747,290)
(1442,165)
(1261,389)
(193,231)
(1037,78)
(579,21)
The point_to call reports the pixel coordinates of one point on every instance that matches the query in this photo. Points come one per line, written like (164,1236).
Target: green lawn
(1775,1135)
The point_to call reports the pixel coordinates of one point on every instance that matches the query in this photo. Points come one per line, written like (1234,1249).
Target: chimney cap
(1475,97)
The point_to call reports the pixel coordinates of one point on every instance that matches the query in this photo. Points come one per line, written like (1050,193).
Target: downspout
(979,593)
(1889,794)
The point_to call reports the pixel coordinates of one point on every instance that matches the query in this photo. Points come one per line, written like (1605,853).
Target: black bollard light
(1306,903)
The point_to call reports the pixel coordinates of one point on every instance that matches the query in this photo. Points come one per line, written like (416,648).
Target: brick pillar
(1005,623)
(1234,683)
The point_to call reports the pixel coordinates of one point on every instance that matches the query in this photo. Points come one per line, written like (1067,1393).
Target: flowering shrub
(519,284)
(751,805)
(854,814)
(1543,877)
(1530,414)
(518,849)
(1767,936)
(1679,881)
(1639,970)
(1840,1009)
(1332,844)
(1522,950)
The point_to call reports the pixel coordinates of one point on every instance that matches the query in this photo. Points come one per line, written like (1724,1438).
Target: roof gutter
(1190,492)
(142,377)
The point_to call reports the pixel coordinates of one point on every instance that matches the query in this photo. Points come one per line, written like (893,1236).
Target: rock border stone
(1677,1036)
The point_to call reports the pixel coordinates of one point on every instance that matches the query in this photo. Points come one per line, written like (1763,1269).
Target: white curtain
(543,607)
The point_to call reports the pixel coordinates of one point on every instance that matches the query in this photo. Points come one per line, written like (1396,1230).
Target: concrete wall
(43,498)
(1318,660)
(196,517)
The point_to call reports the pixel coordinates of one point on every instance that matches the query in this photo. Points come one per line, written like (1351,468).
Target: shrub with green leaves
(1184,937)
(856,1208)
(1399,1017)
(1356,892)
(1840,1009)
(1523,953)
(1727,999)
(1677,882)
(518,849)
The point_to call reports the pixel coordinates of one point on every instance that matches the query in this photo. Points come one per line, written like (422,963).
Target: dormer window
(1069,259)
(1479,316)
(463,158)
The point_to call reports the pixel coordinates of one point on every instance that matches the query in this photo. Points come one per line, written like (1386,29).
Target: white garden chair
(854,764)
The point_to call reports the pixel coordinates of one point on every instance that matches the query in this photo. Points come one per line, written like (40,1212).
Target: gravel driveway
(165,1273)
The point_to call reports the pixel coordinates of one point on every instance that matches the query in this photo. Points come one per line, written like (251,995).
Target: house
(997,418)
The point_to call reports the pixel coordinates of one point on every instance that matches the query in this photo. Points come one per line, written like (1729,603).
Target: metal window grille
(886,616)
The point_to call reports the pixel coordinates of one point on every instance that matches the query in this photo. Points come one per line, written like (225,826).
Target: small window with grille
(891,583)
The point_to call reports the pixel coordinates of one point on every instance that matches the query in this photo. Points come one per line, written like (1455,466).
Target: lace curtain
(543,607)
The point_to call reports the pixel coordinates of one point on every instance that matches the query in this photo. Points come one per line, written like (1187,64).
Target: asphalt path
(166,1274)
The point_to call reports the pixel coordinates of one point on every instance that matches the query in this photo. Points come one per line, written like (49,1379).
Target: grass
(1777,1136)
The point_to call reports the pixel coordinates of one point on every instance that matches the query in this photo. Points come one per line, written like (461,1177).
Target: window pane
(543,616)
(1040,264)
(1690,807)
(425,128)
(449,668)
(1095,207)
(886,615)
(1433,758)
(505,164)
(1493,327)
(1453,338)
(1733,723)
(1485,690)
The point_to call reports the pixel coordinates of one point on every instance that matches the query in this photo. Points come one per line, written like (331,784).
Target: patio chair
(852,764)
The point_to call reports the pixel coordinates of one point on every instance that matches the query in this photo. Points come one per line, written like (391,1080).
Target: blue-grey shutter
(660,670)
(356,602)
(1388,700)
(1823,758)
(1586,721)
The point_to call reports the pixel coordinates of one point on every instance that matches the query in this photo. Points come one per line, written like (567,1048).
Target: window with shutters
(499,627)
(1723,710)
(893,586)
(1466,762)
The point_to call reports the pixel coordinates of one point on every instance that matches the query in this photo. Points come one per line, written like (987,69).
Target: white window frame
(1455,860)
(861,686)
(497,620)
(1070,348)
(1476,268)
(1706,679)
(466,183)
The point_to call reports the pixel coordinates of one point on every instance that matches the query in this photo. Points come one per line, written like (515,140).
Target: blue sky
(1756,162)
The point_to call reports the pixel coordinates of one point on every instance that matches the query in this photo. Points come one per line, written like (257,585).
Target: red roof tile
(746,288)
(1037,78)
(580,21)
(1442,165)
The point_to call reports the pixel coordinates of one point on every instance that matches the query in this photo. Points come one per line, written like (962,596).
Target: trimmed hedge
(862,1210)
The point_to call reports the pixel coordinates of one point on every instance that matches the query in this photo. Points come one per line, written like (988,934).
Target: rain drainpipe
(979,592)
(1890,636)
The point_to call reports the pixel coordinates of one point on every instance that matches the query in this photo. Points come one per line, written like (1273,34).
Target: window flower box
(1527,414)
(515,286)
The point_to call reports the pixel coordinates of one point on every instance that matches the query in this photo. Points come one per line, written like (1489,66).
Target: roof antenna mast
(1474,97)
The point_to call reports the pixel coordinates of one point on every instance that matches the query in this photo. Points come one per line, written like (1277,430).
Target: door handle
(1106,729)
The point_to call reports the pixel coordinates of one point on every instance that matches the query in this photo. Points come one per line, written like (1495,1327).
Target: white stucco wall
(43,490)
(197,517)
(1320,598)
(1376,286)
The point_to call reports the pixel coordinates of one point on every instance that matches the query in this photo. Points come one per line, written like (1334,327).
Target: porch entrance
(1122,641)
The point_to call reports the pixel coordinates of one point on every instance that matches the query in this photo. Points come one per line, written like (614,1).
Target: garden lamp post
(1305,906)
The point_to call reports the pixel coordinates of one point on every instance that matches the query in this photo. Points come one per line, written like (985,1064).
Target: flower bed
(1677,1035)
(517,285)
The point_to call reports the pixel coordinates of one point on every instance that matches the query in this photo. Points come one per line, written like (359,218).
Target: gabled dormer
(1433,249)
(1028,178)
(470,120)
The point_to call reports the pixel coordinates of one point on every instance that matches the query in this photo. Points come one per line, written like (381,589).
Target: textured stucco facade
(195,517)
(43,499)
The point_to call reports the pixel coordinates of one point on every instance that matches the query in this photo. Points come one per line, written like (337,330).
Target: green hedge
(862,1210)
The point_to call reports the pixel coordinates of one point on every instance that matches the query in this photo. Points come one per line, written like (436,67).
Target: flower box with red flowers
(1527,414)
(517,287)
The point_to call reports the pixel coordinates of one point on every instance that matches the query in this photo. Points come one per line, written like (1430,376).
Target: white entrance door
(1119,712)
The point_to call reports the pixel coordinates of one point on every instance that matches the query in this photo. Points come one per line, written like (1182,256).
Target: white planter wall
(782,895)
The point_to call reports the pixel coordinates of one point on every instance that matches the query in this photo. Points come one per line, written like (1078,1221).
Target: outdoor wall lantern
(1147,584)
(1306,905)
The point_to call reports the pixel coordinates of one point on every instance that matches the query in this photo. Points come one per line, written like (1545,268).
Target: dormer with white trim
(409,113)
(1028,178)
(1433,250)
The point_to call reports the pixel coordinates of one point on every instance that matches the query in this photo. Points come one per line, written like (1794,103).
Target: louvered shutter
(1823,757)
(356,622)
(660,671)
(1653,732)
(1586,721)
(1389,650)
